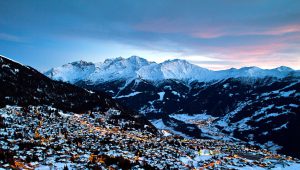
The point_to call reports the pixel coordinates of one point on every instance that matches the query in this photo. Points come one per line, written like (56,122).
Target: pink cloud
(222,31)
(265,56)
(212,31)
(283,29)
(279,49)
(248,52)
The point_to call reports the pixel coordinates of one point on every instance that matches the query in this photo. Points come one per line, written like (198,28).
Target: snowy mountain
(73,72)
(23,86)
(109,70)
(136,67)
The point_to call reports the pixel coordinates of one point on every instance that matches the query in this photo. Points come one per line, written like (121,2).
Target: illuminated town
(47,138)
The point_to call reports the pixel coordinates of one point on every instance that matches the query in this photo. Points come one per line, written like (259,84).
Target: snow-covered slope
(256,72)
(72,72)
(116,69)
(135,67)
(174,69)
(109,70)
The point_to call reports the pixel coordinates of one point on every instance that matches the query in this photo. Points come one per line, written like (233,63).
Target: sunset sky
(210,33)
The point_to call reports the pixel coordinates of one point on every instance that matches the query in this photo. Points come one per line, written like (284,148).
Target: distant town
(45,137)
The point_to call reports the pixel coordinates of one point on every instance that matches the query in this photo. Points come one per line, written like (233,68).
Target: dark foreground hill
(23,86)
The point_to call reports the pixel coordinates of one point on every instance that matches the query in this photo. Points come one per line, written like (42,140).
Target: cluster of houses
(46,138)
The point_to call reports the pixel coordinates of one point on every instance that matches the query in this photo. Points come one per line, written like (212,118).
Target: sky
(213,34)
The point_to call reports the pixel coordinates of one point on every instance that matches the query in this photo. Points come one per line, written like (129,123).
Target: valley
(233,123)
(249,104)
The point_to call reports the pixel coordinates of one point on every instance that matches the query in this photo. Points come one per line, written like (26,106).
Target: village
(46,138)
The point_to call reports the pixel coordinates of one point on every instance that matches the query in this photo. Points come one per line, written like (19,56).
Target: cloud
(208,32)
(10,37)
(243,31)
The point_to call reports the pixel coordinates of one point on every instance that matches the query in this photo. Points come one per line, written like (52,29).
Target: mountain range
(259,106)
(139,68)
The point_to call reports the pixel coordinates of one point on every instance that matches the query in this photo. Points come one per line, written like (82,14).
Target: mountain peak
(175,60)
(250,68)
(134,60)
(284,68)
(182,64)
(136,67)
(134,57)
(138,60)
(81,62)
(110,60)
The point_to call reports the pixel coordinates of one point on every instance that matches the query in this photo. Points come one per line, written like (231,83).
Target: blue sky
(211,33)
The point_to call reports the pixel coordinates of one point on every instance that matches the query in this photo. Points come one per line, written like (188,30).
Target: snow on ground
(176,93)
(270,145)
(291,167)
(281,127)
(186,117)
(194,161)
(159,124)
(161,95)
(205,123)
(224,121)
(128,95)
(10,60)
(263,110)
(64,115)
(270,115)
(242,124)
(4,115)
(56,166)
(294,105)
(166,133)
(245,168)
(287,93)
(277,166)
